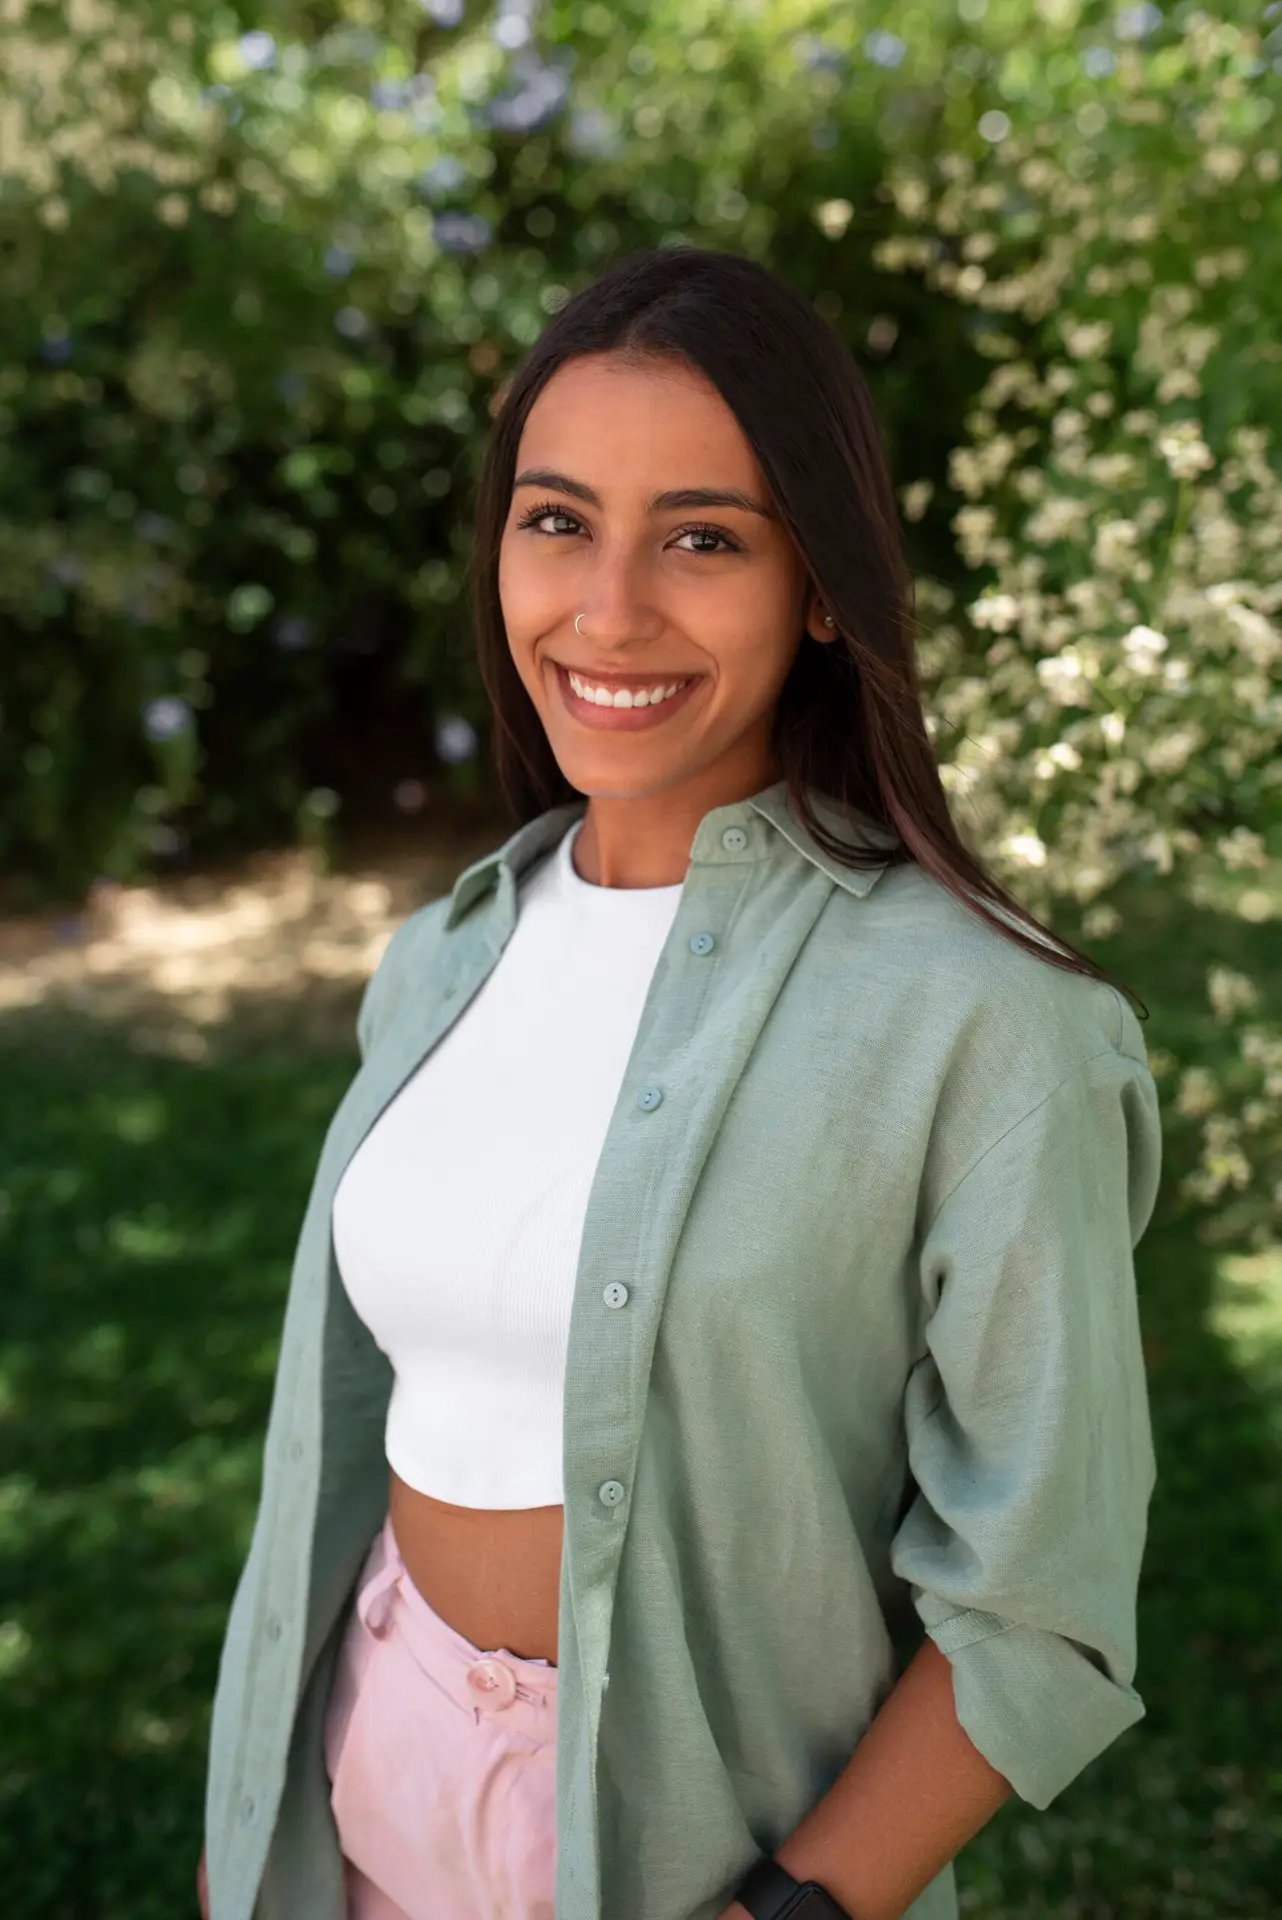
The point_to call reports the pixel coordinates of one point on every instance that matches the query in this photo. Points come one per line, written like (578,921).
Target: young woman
(709,1459)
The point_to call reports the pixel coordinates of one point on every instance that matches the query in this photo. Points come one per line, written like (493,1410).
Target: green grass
(148,1213)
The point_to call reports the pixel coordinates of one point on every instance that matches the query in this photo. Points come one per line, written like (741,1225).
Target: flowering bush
(1110,701)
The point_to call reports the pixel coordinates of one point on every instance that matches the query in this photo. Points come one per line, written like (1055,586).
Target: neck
(644,840)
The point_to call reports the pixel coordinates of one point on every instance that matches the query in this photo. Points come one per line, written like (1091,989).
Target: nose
(615,602)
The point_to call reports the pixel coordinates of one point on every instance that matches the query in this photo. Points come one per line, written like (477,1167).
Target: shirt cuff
(1036,1707)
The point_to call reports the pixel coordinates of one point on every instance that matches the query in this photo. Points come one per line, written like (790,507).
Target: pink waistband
(523,1690)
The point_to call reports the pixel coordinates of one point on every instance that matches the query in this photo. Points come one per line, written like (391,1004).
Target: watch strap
(767,1890)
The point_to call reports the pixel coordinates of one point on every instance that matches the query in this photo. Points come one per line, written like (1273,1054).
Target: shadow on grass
(149,1214)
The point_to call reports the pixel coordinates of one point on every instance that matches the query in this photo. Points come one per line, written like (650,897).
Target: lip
(603,679)
(623,719)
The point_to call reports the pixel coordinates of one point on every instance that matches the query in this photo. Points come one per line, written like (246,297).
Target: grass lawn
(148,1213)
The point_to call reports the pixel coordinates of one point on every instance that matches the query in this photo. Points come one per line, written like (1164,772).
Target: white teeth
(624,697)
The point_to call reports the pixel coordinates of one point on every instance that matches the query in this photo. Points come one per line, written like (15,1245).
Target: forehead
(616,422)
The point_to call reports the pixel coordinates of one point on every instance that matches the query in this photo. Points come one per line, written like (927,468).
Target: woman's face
(639,505)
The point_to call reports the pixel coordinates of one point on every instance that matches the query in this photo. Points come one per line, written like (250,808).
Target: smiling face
(639,507)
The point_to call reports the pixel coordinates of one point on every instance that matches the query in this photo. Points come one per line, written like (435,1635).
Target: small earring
(829,621)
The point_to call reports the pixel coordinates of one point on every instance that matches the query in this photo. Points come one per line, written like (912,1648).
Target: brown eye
(546,510)
(710,533)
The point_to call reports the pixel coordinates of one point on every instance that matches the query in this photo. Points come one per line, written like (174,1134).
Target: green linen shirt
(872,1183)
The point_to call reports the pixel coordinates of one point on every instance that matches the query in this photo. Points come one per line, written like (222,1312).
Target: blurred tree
(264,277)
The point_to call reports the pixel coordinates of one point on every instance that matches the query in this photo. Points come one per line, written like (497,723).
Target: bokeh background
(263,270)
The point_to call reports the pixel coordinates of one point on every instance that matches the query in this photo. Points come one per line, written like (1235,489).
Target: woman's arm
(909,1799)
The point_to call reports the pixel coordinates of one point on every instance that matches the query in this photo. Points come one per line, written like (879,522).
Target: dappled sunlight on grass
(279,939)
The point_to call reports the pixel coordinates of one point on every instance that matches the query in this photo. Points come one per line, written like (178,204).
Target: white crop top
(458,1220)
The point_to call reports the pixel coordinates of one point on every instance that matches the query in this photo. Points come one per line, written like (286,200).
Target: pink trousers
(441,1760)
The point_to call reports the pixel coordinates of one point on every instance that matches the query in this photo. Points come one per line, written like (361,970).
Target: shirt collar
(762,816)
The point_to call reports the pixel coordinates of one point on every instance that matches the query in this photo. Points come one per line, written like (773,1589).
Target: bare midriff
(491,1573)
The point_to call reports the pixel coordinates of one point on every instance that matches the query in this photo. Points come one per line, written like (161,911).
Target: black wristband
(769,1892)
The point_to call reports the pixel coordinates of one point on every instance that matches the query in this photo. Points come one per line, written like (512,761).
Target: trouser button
(493,1682)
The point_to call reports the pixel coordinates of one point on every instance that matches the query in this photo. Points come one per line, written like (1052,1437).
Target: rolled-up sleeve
(1028,1430)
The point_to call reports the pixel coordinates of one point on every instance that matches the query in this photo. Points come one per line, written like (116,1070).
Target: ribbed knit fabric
(458,1222)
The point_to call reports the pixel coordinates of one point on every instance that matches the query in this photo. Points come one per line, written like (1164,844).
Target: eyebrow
(661,503)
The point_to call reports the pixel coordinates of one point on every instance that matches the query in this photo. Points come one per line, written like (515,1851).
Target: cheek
(746,602)
(752,630)
(527,592)
(508,581)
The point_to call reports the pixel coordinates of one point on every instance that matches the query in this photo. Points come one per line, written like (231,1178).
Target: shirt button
(295,1449)
(701,943)
(734,839)
(616,1294)
(273,1626)
(247,1807)
(610,1492)
(649,1098)
(605,1681)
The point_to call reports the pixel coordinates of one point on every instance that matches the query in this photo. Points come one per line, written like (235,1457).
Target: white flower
(1088,339)
(1230,992)
(1198,1092)
(997,611)
(1185,452)
(1241,848)
(1142,647)
(1026,847)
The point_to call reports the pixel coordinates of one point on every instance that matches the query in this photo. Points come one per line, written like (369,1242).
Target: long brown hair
(849,724)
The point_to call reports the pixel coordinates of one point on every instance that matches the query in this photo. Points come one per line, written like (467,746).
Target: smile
(620,707)
(624,696)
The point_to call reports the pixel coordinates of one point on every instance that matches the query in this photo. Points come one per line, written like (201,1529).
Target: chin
(610,783)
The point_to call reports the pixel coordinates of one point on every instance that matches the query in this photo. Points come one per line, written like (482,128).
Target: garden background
(262,273)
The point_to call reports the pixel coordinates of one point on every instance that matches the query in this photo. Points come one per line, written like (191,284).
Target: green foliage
(260,281)
(259,289)
(1109,703)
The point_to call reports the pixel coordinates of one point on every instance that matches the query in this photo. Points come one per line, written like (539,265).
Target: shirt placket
(674,1091)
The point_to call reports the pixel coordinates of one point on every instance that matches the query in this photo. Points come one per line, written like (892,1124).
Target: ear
(820,623)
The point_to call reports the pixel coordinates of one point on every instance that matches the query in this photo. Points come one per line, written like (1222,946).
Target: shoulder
(960,969)
(403,960)
(979,1027)
(995,1047)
